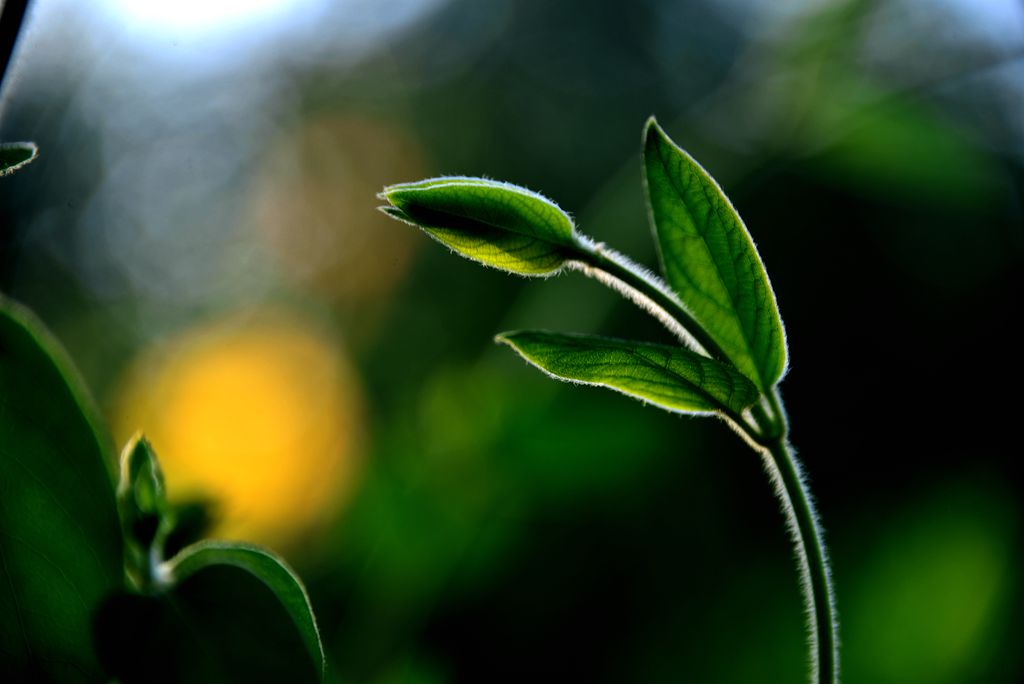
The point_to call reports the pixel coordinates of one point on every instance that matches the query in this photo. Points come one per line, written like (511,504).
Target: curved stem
(638,279)
(815,577)
(767,434)
(779,413)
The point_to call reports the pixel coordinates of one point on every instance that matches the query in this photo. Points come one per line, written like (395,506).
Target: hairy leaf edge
(33,154)
(447,181)
(652,123)
(396,213)
(722,411)
(457,181)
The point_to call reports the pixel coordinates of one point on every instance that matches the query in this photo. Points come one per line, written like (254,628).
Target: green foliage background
(503,527)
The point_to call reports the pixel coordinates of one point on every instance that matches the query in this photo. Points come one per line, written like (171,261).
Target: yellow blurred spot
(261,416)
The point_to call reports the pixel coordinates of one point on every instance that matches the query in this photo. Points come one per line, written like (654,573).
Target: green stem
(815,579)
(767,433)
(639,280)
(779,414)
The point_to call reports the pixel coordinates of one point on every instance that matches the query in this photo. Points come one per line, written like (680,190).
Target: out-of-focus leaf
(191,521)
(13,156)
(901,150)
(672,378)
(140,493)
(269,569)
(220,625)
(710,260)
(931,597)
(60,543)
(494,223)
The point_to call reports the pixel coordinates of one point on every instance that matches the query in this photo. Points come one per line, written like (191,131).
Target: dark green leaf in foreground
(60,543)
(221,624)
(13,156)
(710,260)
(497,224)
(264,566)
(672,378)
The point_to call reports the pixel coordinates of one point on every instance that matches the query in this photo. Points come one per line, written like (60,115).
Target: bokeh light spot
(260,416)
(929,599)
(193,14)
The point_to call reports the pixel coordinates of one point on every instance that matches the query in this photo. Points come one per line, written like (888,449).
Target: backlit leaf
(497,224)
(220,625)
(13,156)
(710,260)
(672,378)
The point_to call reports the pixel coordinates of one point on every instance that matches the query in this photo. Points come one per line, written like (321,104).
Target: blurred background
(200,231)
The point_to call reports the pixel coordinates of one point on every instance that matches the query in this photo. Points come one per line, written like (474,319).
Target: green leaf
(13,156)
(141,486)
(143,507)
(710,260)
(222,625)
(269,569)
(60,542)
(497,224)
(673,378)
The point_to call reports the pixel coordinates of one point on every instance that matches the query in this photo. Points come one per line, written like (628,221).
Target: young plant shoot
(92,587)
(87,592)
(716,298)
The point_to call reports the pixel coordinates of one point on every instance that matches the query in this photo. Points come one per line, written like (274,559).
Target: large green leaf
(13,156)
(226,612)
(219,626)
(710,260)
(497,224)
(269,569)
(672,378)
(60,542)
